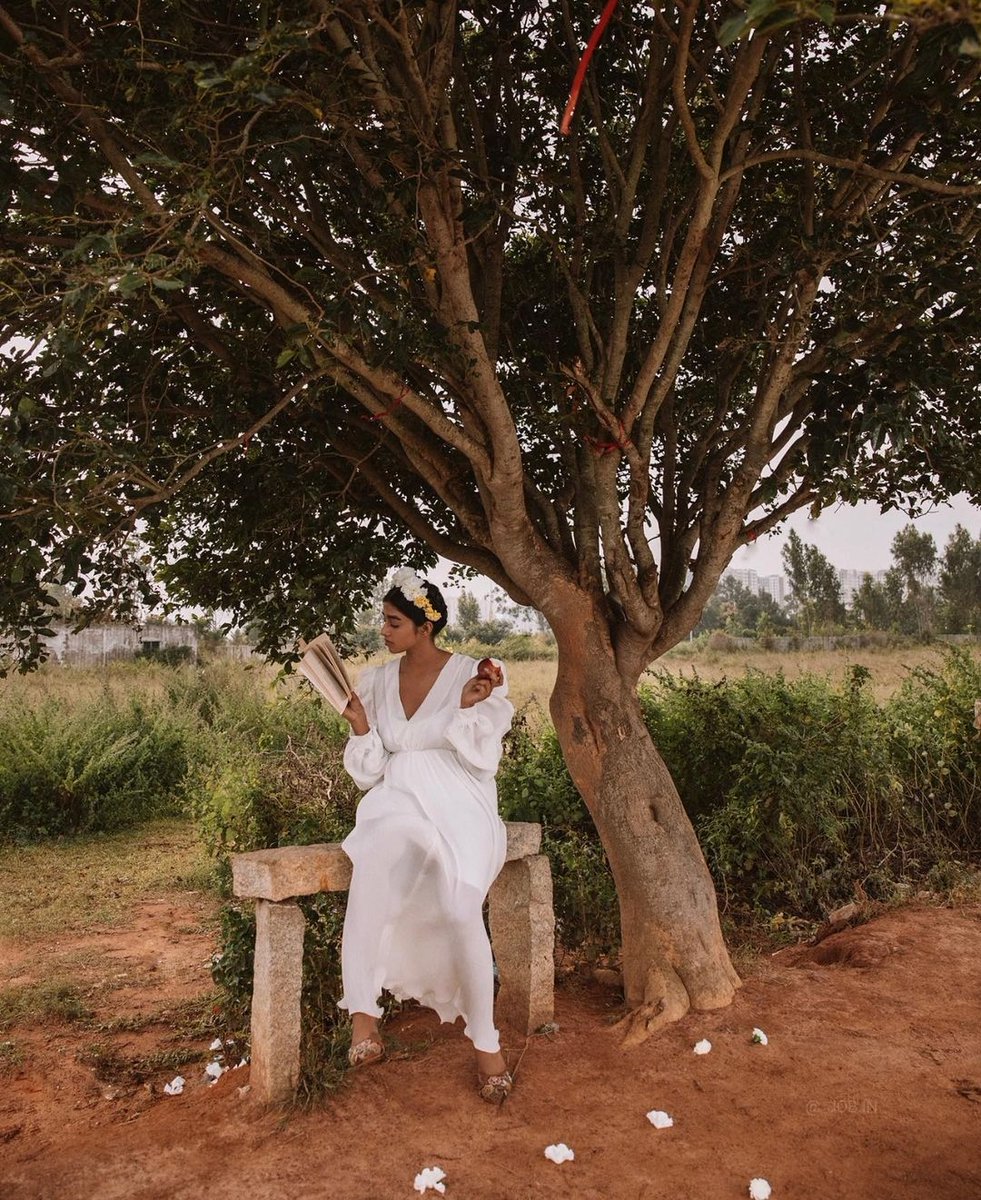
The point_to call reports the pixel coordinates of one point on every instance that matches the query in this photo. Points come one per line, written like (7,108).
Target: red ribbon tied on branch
(388,411)
(594,41)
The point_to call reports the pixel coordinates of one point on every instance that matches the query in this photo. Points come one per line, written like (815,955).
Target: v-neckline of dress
(425,700)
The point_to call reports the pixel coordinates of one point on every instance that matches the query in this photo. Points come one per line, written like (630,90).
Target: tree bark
(674,956)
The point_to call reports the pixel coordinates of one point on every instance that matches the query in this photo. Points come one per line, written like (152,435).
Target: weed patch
(33,1004)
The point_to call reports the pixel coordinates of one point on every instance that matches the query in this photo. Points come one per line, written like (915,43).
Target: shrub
(936,751)
(93,769)
(534,785)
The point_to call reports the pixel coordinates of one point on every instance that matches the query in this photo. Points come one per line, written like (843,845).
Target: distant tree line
(922,594)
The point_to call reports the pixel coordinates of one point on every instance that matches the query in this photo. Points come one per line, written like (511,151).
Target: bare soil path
(869,1088)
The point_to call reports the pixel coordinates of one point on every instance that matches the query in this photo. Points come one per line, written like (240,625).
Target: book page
(322,666)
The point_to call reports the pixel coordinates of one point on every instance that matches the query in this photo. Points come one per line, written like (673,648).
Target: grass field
(888,668)
(78,883)
(529,681)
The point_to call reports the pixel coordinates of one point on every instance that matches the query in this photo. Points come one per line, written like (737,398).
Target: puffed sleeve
(365,755)
(475,733)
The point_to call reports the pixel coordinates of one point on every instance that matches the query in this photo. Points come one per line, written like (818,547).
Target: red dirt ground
(870,1088)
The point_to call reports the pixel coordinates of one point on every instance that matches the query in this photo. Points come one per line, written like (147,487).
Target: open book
(322,665)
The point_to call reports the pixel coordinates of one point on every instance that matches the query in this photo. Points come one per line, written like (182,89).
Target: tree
(815,587)
(914,562)
(468,613)
(302,291)
(871,605)
(741,611)
(959,585)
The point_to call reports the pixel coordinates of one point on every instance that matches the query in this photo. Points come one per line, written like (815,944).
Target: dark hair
(405,606)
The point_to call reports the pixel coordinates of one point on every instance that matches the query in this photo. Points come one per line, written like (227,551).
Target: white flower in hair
(413,588)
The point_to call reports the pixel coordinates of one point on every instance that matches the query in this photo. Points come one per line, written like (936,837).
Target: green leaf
(130,283)
(733,29)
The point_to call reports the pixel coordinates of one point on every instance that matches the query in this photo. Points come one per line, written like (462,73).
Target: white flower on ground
(759,1189)
(214,1069)
(217,1044)
(660,1120)
(430,1177)
(559,1153)
(176,1086)
(703,1047)
(759,1037)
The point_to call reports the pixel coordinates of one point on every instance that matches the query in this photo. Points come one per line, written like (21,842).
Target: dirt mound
(869,1087)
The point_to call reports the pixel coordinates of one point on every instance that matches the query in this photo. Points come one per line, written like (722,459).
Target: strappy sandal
(495,1089)
(365,1053)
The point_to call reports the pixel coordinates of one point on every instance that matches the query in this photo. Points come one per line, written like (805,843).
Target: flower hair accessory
(414,590)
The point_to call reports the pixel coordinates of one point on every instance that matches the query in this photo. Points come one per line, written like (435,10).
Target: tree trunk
(674,956)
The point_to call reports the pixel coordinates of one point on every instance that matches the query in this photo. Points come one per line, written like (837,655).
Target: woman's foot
(367,1046)
(494,1082)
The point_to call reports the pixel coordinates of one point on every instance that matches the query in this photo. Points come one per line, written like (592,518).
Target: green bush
(936,750)
(87,770)
(534,785)
(799,790)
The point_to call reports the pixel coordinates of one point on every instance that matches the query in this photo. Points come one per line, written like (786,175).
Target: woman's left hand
(475,690)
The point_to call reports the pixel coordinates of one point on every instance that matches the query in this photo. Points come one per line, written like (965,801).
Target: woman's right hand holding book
(356,716)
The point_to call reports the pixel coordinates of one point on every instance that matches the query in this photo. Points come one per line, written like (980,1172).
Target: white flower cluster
(413,588)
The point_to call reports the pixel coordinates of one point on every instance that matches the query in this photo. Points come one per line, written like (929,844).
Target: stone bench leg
(522,923)
(276,991)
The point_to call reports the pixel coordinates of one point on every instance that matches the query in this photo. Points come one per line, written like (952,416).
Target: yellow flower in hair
(422,601)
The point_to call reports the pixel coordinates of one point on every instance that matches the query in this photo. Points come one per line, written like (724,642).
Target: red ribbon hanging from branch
(594,41)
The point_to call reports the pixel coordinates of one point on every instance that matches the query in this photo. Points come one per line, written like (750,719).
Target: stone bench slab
(288,871)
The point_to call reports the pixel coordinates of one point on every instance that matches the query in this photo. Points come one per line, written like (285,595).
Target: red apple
(489,670)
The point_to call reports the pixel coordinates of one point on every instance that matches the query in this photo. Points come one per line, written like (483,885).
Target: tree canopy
(292,292)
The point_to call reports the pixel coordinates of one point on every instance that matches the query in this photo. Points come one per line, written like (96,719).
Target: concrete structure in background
(101,644)
(774,586)
(749,579)
(851,581)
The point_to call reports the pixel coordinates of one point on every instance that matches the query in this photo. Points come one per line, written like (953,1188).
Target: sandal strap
(495,1087)
(365,1051)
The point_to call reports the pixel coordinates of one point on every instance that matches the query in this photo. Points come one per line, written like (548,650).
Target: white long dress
(427,845)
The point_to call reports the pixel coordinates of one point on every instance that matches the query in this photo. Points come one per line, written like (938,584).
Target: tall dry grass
(529,681)
(888,667)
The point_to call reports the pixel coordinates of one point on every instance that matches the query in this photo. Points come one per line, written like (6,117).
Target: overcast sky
(858,538)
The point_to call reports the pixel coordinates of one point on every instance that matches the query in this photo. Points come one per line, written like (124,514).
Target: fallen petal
(217,1044)
(759,1037)
(214,1069)
(660,1120)
(759,1189)
(430,1177)
(559,1153)
(176,1086)
(703,1047)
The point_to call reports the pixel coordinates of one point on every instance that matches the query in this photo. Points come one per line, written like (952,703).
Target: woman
(426,740)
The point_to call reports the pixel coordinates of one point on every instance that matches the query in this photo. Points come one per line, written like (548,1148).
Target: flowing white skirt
(424,855)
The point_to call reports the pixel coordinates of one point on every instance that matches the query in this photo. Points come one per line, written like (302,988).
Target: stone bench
(522,926)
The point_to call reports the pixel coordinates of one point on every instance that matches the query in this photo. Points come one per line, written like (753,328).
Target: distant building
(749,579)
(774,586)
(100,644)
(851,581)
